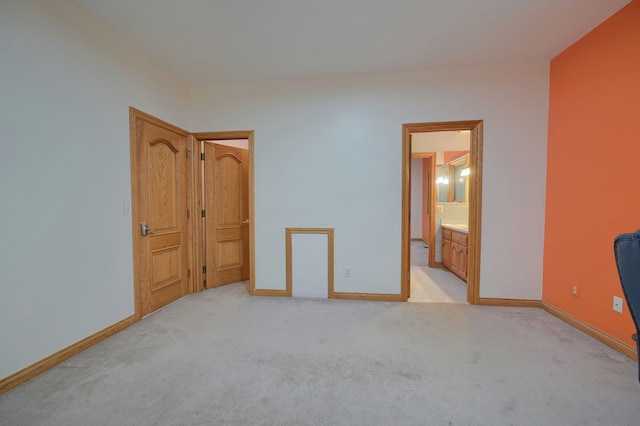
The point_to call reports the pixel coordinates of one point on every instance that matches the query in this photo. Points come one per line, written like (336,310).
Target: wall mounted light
(465,172)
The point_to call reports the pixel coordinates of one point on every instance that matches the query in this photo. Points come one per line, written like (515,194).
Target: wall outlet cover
(617,304)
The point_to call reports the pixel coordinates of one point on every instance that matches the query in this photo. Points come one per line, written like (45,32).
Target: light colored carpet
(223,357)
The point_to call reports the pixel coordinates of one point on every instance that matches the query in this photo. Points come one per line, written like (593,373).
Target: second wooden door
(226,214)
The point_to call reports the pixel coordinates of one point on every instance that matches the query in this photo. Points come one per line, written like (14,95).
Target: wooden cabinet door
(446,253)
(454,252)
(462,263)
(455,258)
(459,260)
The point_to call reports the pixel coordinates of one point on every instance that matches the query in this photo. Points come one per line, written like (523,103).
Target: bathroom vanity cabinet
(455,252)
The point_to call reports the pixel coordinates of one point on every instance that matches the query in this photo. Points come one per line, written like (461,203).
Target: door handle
(246,222)
(144,229)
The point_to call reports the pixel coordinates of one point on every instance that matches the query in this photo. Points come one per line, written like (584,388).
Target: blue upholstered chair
(627,250)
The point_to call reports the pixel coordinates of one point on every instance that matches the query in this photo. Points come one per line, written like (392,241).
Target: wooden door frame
(432,203)
(475,202)
(135,118)
(198,240)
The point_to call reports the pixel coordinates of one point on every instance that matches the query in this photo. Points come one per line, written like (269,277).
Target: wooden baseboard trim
(271,293)
(613,342)
(44,364)
(379,297)
(520,303)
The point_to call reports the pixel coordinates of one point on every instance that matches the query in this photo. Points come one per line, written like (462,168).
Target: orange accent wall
(426,169)
(593,157)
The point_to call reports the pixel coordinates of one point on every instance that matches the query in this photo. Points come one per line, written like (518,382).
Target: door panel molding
(174,234)
(475,201)
(226,237)
(329,232)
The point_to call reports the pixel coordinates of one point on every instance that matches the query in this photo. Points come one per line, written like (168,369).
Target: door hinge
(204,214)
(202,156)
(188,214)
(188,273)
(188,152)
(204,269)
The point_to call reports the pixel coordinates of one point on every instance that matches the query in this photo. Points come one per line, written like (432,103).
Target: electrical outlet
(347,271)
(575,290)
(617,304)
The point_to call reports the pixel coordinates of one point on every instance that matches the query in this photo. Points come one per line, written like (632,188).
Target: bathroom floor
(433,285)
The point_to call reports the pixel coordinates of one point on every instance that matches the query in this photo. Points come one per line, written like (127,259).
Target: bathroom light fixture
(443,180)
(465,172)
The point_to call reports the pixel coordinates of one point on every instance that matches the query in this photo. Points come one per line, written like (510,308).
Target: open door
(226,183)
(429,188)
(160,186)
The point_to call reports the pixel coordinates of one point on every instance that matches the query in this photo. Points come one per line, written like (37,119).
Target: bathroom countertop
(456,227)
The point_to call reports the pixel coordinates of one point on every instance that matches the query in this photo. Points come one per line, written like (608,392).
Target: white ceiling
(226,41)
(441,141)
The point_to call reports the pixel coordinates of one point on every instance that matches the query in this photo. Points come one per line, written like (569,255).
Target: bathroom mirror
(444,183)
(461,173)
(460,187)
(452,180)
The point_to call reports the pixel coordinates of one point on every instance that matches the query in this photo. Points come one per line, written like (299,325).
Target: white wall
(328,154)
(67,83)
(309,265)
(454,213)
(416,197)
(440,141)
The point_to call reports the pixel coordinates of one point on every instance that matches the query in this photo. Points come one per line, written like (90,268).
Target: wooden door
(408,242)
(160,199)
(226,214)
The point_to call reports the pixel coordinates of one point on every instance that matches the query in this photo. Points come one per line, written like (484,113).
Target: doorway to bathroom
(441,228)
